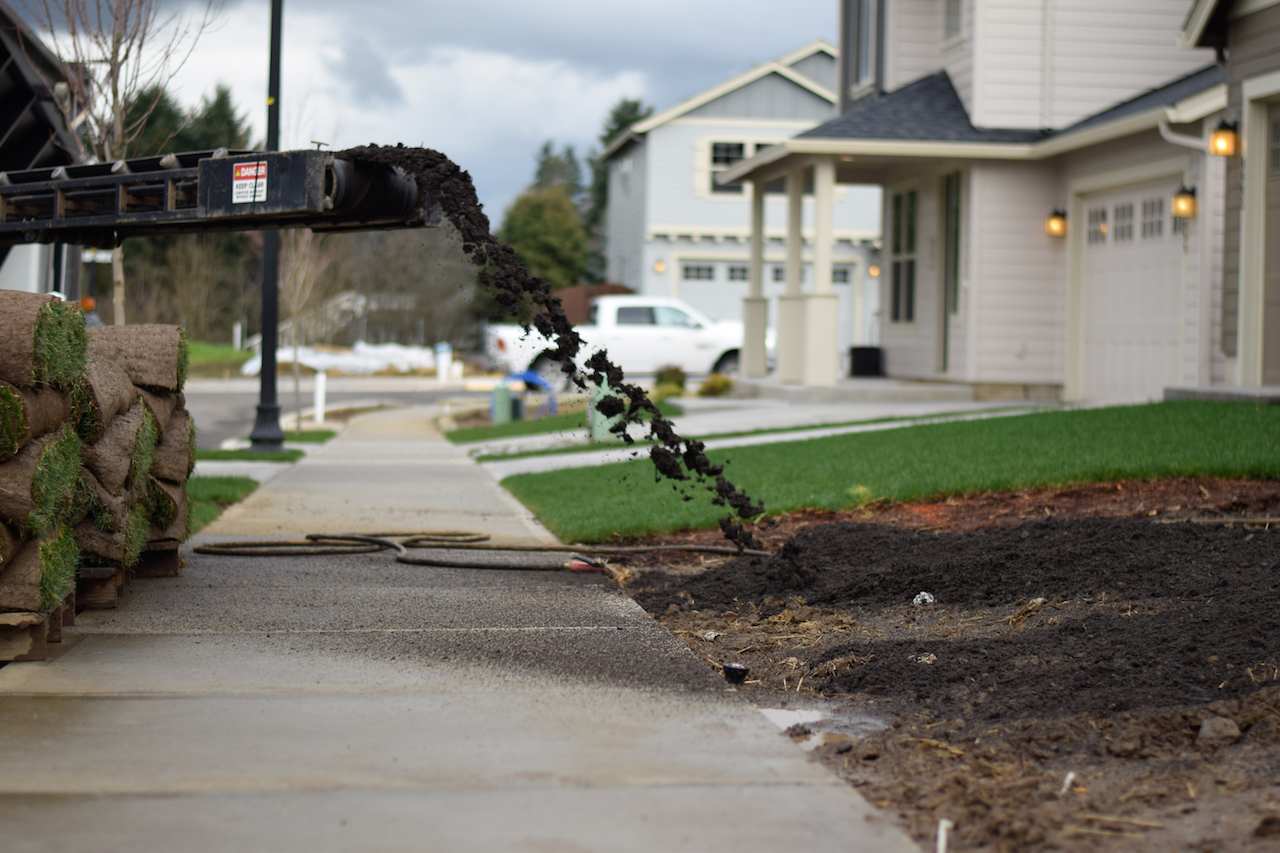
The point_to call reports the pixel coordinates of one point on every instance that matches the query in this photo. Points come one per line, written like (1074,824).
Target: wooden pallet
(24,636)
(159,560)
(99,587)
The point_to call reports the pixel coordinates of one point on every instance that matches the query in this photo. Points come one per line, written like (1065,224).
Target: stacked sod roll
(95,449)
(139,444)
(42,359)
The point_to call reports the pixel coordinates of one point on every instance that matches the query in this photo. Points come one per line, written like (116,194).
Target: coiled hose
(582,558)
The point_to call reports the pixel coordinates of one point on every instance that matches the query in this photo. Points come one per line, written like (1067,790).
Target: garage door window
(1152,218)
(1097,226)
(1124,223)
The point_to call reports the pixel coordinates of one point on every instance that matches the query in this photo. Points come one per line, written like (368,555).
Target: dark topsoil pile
(1186,601)
(1096,644)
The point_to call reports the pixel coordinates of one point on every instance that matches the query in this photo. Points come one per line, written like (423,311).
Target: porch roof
(926,119)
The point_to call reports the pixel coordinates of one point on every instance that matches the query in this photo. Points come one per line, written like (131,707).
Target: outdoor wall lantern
(1056,224)
(659,267)
(1184,203)
(873,271)
(1225,140)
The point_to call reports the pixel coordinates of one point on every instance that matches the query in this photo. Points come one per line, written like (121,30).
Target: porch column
(755,308)
(791,304)
(821,361)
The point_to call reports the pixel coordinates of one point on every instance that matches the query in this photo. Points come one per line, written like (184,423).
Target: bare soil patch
(1097,671)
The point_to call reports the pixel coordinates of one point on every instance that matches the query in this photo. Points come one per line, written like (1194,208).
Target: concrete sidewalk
(354,703)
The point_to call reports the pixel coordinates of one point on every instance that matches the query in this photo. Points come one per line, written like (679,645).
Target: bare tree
(114,52)
(306,258)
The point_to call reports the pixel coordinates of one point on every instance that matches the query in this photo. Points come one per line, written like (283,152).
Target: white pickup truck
(641,334)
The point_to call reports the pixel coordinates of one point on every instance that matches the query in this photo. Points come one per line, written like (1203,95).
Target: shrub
(717,385)
(666,390)
(671,374)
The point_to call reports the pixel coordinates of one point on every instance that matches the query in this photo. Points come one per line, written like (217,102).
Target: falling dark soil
(528,296)
(1127,634)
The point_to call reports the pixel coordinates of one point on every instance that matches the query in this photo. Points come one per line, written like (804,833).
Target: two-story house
(1051,211)
(673,230)
(1246,33)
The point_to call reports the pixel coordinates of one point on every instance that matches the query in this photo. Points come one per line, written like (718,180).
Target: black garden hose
(581,557)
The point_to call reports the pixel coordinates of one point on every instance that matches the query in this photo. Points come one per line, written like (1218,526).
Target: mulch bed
(1097,671)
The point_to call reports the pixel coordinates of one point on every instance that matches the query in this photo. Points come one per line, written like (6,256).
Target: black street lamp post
(267,434)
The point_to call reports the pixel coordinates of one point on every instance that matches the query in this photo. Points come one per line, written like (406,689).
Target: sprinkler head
(735,673)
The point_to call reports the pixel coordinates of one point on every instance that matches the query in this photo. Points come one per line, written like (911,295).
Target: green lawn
(210,495)
(214,360)
(1188,438)
(214,455)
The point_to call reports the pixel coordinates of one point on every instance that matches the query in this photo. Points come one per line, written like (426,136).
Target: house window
(950,19)
(902,293)
(859,60)
(778,186)
(1097,226)
(739,273)
(1152,218)
(1124,223)
(951,243)
(724,155)
(840,275)
(704,272)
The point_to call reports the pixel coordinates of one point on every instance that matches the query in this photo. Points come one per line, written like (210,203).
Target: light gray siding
(819,67)
(772,96)
(1254,42)
(626,217)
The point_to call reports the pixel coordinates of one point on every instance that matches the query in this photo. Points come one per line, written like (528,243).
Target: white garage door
(1132,293)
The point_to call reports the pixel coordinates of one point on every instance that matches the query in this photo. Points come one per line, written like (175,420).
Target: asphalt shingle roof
(930,110)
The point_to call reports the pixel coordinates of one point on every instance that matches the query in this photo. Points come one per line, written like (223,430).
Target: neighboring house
(981,118)
(32,136)
(674,231)
(1247,34)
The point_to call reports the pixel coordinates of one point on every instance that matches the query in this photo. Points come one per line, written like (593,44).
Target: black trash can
(866,361)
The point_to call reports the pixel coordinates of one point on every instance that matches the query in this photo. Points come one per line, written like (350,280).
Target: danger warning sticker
(249,182)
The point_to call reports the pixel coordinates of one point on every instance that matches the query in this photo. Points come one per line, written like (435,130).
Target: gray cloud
(363,71)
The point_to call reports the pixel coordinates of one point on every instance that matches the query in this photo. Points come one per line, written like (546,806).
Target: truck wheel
(727,365)
(549,369)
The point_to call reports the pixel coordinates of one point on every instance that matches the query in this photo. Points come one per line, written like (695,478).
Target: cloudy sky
(485,81)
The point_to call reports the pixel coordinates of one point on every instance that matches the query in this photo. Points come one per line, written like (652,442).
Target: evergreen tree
(561,169)
(625,113)
(543,226)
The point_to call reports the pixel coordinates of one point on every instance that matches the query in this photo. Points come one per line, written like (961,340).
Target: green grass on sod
(518,429)
(250,455)
(1186,438)
(210,495)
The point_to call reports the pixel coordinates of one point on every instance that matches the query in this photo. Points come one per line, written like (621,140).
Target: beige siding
(1009,60)
(1254,42)
(914,33)
(1106,52)
(957,57)
(1017,291)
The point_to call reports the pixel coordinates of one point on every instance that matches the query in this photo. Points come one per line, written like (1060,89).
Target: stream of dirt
(680,459)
